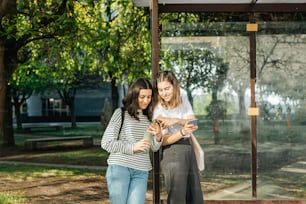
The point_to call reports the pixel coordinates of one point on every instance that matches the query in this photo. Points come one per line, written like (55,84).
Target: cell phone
(193,121)
(156,121)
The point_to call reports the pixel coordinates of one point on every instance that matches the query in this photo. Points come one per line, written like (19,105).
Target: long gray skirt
(181,175)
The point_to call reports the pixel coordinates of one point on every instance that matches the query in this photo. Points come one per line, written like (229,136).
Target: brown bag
(199,153)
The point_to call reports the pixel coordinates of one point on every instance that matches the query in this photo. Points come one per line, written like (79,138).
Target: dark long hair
(130,100)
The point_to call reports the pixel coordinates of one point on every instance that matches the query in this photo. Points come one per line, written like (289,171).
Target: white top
(183,111)
(121,151)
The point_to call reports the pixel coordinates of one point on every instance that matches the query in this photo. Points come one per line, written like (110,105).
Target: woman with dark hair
(129,161)
(178,162)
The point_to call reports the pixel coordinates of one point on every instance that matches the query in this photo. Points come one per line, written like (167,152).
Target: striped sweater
(121,151)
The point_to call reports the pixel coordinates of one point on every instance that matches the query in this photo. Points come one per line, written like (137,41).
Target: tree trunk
(8,129)
(115,94)
(8,56)
(216,131)
(214,98)
(3,88)
(18,115)
(72,113)
(6,135)
(190,98)
(244,127)
(68,96)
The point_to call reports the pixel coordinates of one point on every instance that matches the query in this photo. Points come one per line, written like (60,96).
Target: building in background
(51,108)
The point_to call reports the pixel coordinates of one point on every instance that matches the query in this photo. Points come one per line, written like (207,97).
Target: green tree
(26,80)
(22,24)
(71,74)
(126,49)
(114,35)
(191,66)
(195,67)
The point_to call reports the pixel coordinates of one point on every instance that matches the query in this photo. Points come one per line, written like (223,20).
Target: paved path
(265,189)
(298,167)
(244,191)
(55,165)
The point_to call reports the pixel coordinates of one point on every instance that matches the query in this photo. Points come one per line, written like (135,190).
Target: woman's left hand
(189,128)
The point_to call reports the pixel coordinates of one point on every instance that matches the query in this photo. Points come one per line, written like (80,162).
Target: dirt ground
(66,190)
(72,189)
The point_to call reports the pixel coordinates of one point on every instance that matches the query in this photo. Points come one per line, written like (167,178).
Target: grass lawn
(69,153)
(272,140)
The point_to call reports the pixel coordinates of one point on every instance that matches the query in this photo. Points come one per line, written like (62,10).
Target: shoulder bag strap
(122,119)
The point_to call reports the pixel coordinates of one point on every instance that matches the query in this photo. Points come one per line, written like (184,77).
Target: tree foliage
(97,40)
(195,67)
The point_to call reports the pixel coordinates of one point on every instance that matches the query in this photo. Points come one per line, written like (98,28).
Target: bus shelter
(257,151)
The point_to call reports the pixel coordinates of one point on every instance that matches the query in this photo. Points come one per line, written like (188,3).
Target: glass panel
(281,130)
(214,72)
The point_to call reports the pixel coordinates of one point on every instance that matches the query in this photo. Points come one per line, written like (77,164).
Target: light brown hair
(168,76)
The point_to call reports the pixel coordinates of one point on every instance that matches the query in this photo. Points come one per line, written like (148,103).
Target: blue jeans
(126,185)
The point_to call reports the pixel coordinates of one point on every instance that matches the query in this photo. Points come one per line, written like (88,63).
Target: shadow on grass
(49,185)
(72,155)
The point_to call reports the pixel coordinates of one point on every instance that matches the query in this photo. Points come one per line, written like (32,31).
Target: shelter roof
(226,5)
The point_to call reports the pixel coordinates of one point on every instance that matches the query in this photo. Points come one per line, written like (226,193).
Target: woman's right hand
(141,146)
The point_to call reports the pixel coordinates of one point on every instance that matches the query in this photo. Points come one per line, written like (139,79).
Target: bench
(38,126)
(31,144)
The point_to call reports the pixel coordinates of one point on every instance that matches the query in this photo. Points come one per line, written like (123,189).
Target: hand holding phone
(193,121)
(156,121)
